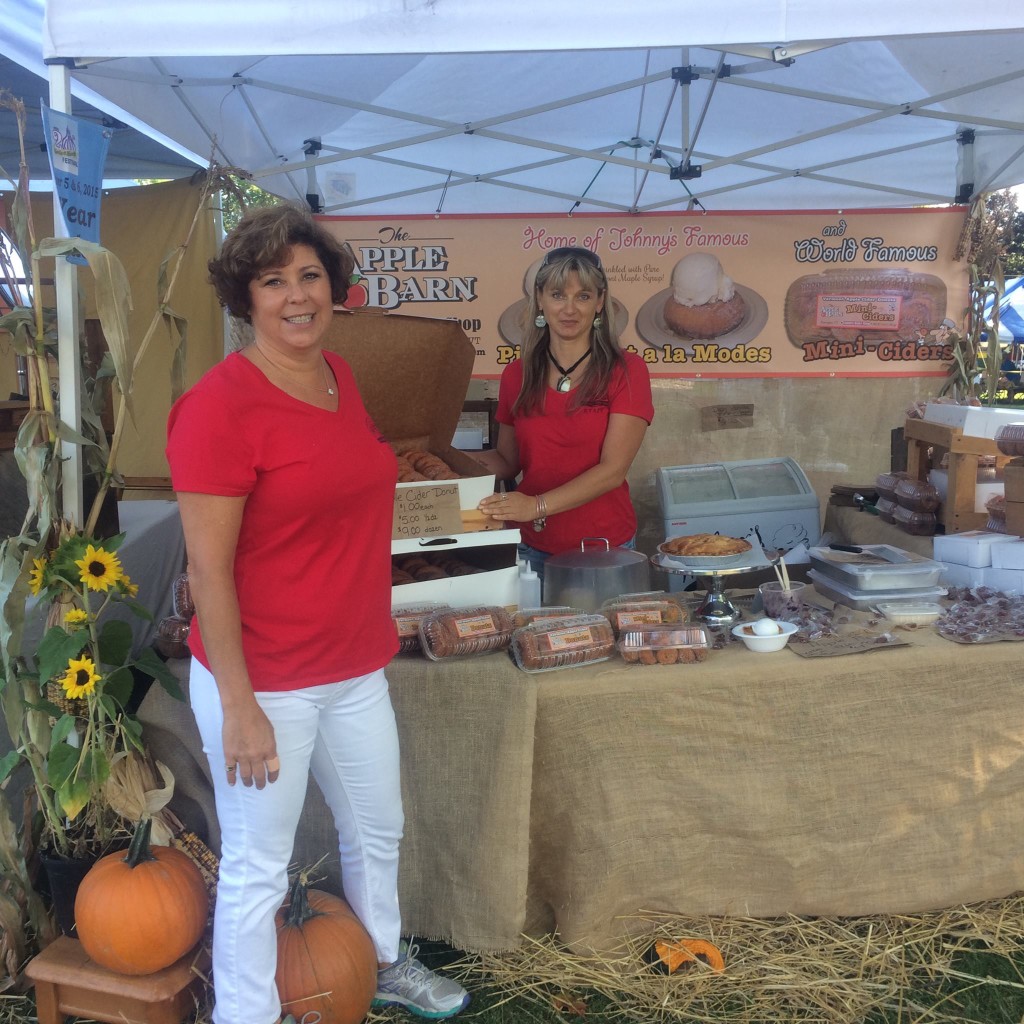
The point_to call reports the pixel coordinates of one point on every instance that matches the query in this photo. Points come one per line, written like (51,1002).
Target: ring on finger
(230,768)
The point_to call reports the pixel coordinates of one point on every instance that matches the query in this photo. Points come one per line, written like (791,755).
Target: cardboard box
(494,551)
(1015,518)
(1013,480)
(413,373)
(973,547)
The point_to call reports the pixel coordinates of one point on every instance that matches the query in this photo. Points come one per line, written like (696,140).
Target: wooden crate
(956,513)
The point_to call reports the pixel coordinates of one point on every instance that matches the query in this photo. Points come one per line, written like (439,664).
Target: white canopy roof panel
(398,107)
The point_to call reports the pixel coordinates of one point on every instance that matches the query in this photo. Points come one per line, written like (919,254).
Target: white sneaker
(409,984)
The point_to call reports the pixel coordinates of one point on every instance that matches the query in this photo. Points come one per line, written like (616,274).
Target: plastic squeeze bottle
(529,586)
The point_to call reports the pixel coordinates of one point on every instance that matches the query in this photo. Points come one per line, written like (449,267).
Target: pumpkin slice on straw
(668,957)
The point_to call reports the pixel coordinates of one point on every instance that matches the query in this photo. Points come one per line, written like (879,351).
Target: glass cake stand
(716,609)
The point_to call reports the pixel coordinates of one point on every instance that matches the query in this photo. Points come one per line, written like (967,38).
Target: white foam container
(1009,555)
(1009,581)
(866,600)
(956,575)
(983,489)
(974,547)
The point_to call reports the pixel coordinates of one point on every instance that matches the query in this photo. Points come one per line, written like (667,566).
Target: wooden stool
(68,983)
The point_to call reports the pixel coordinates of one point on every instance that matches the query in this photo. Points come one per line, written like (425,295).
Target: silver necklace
(565,381)
(327,389)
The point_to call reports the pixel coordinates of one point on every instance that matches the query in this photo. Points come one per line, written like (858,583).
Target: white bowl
(765,644)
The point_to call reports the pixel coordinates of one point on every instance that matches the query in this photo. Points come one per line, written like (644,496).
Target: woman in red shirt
(573,411)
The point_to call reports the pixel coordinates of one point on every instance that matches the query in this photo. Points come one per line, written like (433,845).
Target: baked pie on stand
(678,555)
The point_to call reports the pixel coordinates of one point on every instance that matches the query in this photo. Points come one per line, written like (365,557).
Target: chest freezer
(772,496)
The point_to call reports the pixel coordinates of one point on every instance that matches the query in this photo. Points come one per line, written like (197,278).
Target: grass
(964,966)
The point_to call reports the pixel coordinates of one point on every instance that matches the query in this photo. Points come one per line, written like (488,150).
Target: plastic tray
(665,645)
(547,645)
(866,600)
(907,612)
(900,570)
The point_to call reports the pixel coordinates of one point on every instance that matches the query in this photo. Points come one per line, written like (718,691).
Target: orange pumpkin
(670,956)
(325,959)
(140,911)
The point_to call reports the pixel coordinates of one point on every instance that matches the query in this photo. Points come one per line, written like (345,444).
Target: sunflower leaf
(56,649)
(115,642)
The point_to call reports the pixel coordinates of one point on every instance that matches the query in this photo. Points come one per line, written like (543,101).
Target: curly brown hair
(262,239)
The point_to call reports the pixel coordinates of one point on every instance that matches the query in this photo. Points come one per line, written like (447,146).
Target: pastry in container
(546,645)
(919,524)
(1010,439)
(181,597)
(171,639)
(886,508)
(917,495)
(664,645)
(630,612)
(407,622)
(885,484)
(995,506)
(457,632)
(524,616)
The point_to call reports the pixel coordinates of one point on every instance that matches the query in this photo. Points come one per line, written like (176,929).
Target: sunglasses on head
(572,252)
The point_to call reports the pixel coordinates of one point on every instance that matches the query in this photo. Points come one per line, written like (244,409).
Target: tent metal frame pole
(68,323)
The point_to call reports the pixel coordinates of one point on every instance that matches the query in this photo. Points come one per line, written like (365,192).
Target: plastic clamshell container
(632,613)
(1010,439)
(457,632)
(900,570)
(885,484)
(407,621)
(526,616)
(886,508)
(664,645)
(917,495)
(910,612)
(918,524)
(866,600)
(548,645)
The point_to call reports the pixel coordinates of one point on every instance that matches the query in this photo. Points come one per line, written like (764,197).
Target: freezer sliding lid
(721,487)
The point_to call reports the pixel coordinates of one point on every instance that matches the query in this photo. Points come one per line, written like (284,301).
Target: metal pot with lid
(585,579)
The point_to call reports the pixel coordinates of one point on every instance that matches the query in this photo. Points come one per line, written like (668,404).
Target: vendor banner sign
(77,151)
(838,293)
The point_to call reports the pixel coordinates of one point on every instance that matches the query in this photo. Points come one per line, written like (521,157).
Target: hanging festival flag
(77,151)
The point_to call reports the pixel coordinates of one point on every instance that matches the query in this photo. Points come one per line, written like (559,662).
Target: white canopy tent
(402,107)
(475,106)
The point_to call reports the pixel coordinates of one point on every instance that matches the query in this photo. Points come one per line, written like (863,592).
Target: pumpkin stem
(139,852)
(299,911)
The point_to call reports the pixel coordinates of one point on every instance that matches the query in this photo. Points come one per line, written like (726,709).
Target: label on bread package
(570,638)
(408,625)
(872,312)
(476,625)
(646,617)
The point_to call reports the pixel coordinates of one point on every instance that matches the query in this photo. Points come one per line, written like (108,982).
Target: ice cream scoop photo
(704,303)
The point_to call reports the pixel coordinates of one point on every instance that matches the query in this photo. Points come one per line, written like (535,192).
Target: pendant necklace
(564,383)
(327,389)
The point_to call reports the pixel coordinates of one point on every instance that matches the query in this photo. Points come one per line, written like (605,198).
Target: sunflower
(76,617)
(80,678)
(99,568)
(131,589)
(35,578)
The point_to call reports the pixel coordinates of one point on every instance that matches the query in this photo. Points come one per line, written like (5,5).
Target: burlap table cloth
(770,784)
(752,784)
(466,737)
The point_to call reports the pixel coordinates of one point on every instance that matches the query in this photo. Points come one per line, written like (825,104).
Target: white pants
(345,732)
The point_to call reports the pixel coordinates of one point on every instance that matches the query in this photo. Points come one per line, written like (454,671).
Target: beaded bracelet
(542,514)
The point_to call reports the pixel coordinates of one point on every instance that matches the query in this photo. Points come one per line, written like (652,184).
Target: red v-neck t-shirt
(559,443)
(312,565)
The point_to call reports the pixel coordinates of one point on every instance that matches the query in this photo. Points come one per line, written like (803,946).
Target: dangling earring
(597,321)
(539,321)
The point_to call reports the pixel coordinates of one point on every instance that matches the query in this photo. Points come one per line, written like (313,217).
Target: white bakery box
(495,552)
(770,496)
